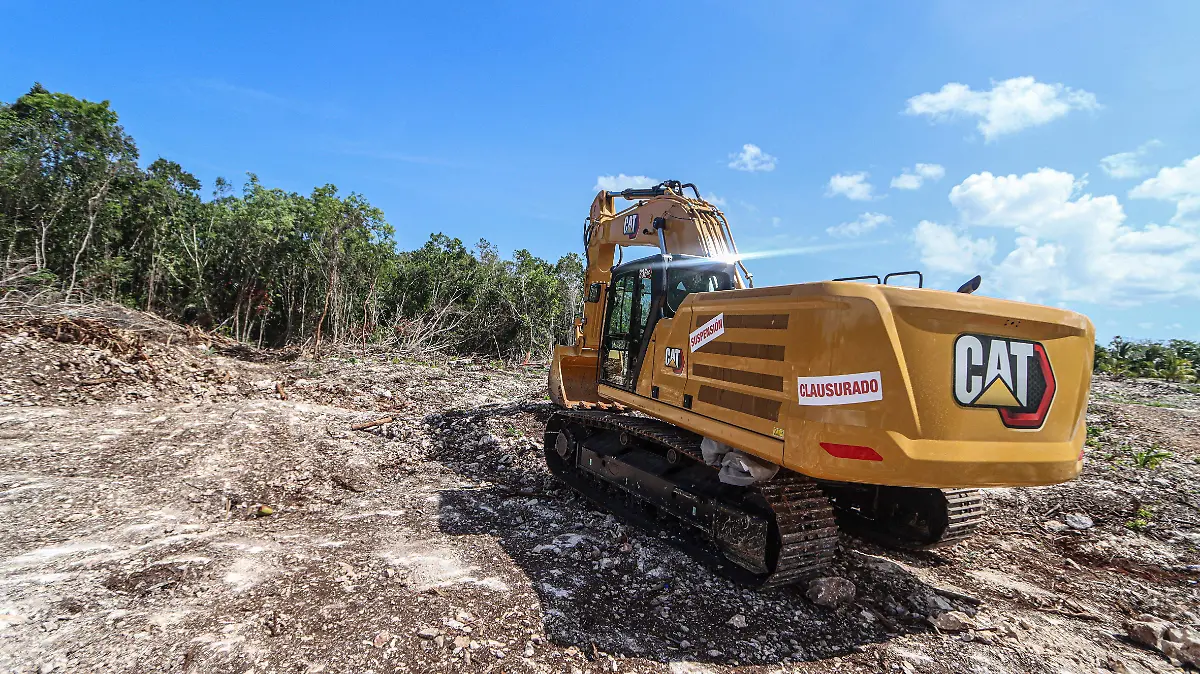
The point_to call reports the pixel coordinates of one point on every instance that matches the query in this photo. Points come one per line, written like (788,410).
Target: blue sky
(498,121)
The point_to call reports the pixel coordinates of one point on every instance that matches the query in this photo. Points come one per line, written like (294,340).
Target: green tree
(260,264)
(72,166)
(1175,368)
(1173,360)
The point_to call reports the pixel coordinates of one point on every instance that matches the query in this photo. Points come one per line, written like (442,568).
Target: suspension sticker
(707,332)
(840,389)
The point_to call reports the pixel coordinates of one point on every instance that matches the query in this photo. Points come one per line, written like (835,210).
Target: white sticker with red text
(841,389)
(707,332)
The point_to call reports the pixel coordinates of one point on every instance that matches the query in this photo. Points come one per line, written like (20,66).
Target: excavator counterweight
(766,413)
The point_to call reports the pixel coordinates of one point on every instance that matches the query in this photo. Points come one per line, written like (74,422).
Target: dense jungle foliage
(1173,360)
(260,264)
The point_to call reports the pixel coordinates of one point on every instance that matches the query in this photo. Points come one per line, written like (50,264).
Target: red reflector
(851,452)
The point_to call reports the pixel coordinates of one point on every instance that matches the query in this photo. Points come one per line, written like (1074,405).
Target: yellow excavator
(757,421)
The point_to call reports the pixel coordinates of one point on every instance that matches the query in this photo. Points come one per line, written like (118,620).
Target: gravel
(188,518)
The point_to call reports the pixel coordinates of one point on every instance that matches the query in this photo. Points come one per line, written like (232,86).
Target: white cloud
(1180,184)
(1015,201)
(933,172)
(864,223)
(853,186)
(1128,164)
(1124,165)
(620,182)
(913,179)
(714,199)
(1068,245)
(943,249)
(752,158)
(1009,106)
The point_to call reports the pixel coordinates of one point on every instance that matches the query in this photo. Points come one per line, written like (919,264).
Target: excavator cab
(641,293)
(610,339)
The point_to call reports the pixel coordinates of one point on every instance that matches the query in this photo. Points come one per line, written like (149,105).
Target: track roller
(777,533)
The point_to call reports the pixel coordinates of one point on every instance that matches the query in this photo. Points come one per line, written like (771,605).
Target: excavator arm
(661,216)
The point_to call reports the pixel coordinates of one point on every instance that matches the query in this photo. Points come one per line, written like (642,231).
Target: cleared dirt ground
(163,508)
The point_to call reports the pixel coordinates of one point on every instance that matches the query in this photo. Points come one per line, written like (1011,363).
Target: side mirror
(971,286)
(593,294)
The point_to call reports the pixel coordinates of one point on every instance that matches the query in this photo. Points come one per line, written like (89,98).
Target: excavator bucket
(573,377)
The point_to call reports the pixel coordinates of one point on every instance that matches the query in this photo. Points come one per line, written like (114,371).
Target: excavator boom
(660,216)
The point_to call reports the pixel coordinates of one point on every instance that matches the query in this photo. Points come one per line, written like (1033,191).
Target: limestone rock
(1147,630)
(1079,521)
(952,621)
(831,591)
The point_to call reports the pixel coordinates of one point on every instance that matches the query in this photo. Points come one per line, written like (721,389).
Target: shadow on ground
(606,587)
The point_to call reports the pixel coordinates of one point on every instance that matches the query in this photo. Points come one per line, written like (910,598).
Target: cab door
(630,302)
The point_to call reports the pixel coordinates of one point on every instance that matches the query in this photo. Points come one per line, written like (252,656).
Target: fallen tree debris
(97,382)
(1070,614)
(371,424)
(951,594)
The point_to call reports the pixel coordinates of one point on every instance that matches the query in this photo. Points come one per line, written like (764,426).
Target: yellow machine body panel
(841,381)
(877,384)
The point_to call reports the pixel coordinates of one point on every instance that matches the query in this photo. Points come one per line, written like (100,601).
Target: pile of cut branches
(28,301)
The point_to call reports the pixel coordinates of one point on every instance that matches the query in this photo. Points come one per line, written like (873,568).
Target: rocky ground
(169,504)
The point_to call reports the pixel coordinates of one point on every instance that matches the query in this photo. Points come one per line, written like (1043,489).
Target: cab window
(645,295)
(683,282)
(631,301)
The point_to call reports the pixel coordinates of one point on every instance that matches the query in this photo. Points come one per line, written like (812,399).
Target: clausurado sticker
(841,389)
(707,332)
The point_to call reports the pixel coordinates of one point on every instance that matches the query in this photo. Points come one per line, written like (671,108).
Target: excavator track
(965,512)
(776,533)
(907,518)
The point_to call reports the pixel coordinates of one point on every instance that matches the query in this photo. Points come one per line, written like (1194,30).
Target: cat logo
(1010,375)
(674,359)
(631,225)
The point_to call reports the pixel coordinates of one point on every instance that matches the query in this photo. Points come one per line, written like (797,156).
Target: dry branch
(371,424)
(1070,614)
(951,594)
(97,382)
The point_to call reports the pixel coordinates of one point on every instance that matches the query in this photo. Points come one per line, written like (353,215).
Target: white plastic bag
(741,469)
(713,451)
(737,468)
